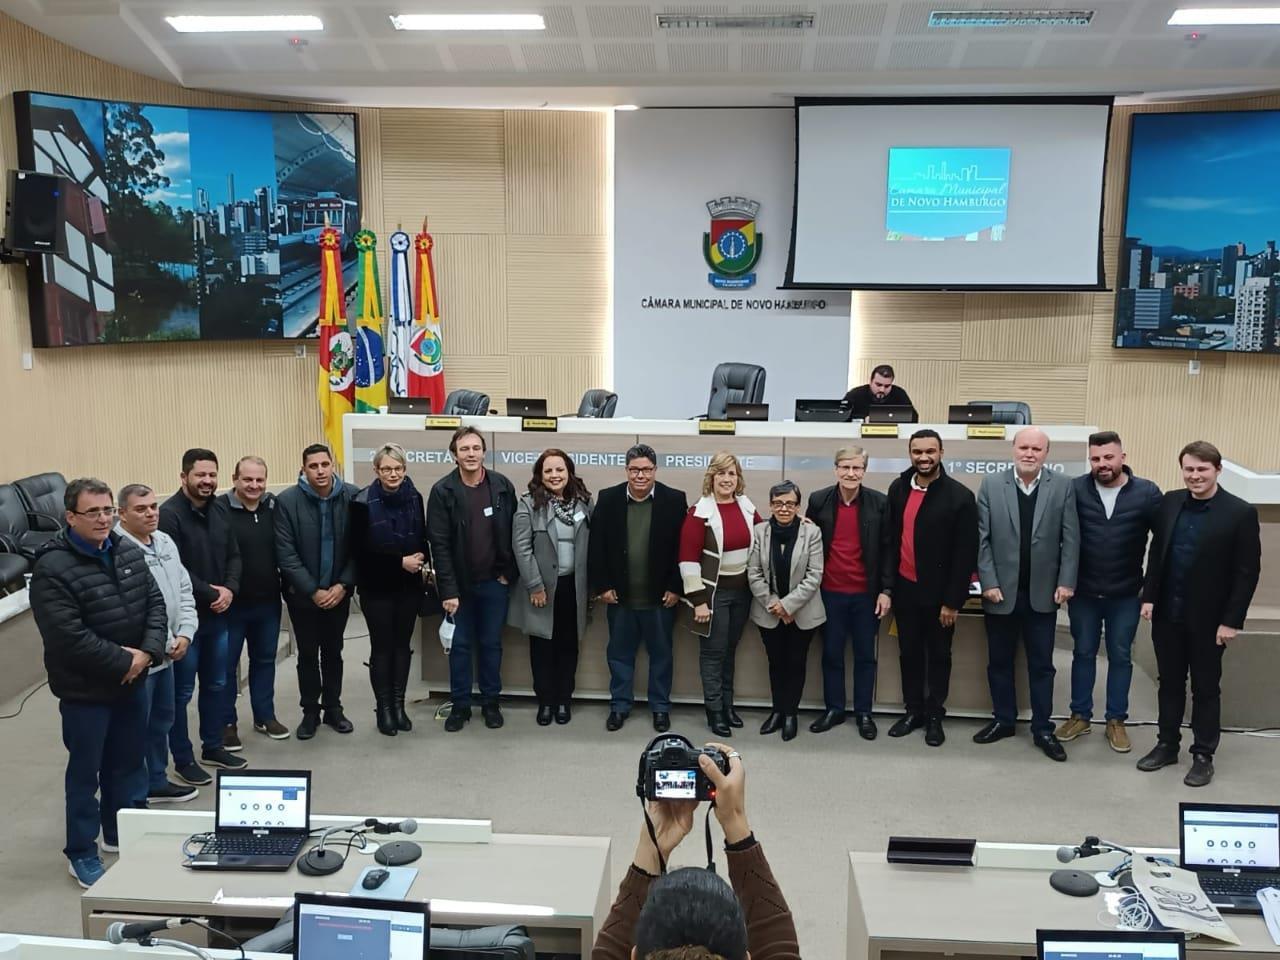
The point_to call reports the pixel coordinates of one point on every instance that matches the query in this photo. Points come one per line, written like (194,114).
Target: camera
(669,770)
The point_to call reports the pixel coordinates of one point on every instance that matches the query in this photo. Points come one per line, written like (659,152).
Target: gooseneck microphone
(122,932)
(401,826)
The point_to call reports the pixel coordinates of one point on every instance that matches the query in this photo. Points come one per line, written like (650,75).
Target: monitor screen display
(1221,837)
(1118,948)
(256,800)
(361,929)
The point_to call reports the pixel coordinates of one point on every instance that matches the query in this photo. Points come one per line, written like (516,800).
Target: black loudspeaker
(32,222)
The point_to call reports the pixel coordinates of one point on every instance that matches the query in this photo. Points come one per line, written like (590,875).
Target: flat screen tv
(1198,267)
(185,223)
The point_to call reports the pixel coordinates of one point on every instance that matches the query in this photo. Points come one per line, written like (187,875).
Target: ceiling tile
(1217,52)
(994,54)
(553,57)
(920,55)
(1150,52)
(627,22)
(699,57)
(1080,53)
(851,19)
(772,56)
(560,22)
(482,57)
(627,57)
(845,57)
(411,56)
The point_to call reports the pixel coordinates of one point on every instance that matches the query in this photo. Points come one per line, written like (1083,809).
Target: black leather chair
(476,943)
(1006,411)
(466,403)
(42,493)
(12,568)
(734,383)
(23,531)
(598,403)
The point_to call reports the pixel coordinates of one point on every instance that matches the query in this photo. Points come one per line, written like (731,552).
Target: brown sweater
(771,933)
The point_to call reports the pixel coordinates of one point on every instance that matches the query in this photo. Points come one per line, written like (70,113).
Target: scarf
(782,541)
(395,519)
(565,511)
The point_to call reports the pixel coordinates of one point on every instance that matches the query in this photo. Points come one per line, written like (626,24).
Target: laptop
(409,405)
(261,819)
(966,413)
(891,414)
(1234,849)
(526,407)
(822,411)
(330,926)
(746,411)
(1110,945)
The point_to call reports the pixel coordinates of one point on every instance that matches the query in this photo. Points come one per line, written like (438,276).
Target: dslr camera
(669,770)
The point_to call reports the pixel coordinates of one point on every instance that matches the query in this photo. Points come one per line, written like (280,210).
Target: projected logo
(732,247)
(947,193)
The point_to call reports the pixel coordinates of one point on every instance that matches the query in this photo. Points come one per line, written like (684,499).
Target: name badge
(488,511)
(579,517)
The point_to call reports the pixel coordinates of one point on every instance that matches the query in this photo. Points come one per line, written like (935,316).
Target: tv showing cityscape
(185,223)
(1198,266)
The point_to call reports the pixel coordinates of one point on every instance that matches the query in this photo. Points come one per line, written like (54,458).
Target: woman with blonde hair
(714,545)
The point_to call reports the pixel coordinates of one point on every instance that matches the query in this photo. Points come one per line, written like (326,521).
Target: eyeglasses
(97,513)
(784,504)
(640,471)
(851,469)
(391,471)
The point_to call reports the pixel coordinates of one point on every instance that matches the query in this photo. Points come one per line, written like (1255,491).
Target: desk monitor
(891,414)
(817,410)
(969,413)
(746,411)
(409,405)
(339,927)
(526,407)
(1109,945)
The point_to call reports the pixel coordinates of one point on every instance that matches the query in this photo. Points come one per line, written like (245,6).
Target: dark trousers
(1181,650)
(1090,618)
(924,654)
(554,659)
(629,627)
(477,636)
(207,659)
(106,770)
(257,626)
(850,617)
(787,647)
(318,636)
(718,652)
(391,618)
(160,712)
(1035,630)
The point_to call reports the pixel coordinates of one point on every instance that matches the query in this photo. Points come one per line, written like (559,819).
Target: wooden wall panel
(471,284)
(1055,393)
(557,377)
(1051,329)
(553,302)
(557,167)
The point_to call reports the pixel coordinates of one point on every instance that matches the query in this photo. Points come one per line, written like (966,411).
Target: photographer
(691,907)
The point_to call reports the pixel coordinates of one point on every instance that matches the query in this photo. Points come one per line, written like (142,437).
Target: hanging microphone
(121,932)
(403,826)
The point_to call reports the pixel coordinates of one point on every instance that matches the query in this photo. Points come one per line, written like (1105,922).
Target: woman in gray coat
(549,540)
(784,572)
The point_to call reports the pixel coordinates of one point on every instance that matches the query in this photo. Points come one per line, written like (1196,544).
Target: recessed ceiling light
(627,106)
(468,21)
(286,23)
(1225,16)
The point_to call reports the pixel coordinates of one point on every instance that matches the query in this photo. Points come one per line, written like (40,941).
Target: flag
(400,309)
(335,387)
(426,353)
(371,366)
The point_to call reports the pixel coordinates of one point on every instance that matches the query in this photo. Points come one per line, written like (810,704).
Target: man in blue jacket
(1116,511)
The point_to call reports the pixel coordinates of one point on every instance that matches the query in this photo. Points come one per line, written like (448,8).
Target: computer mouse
(374,879)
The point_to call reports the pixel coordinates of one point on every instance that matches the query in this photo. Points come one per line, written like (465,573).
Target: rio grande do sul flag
(426,351)
(335,384)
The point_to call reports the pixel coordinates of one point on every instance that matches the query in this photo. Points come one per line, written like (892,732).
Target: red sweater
(734,551)
(844,571)
(907,559)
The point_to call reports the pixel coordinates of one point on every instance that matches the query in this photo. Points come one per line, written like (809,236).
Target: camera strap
(653,837)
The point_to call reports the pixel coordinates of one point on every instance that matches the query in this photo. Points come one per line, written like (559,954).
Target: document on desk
(1269,897)
(1175,897)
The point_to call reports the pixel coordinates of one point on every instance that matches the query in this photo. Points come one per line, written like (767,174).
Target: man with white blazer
(1028,555)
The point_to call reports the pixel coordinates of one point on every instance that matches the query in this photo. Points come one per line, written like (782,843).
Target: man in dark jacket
(198,525)
(857,582)
(1204,563)
(1116,511)
(103,621)
(934,520)
(632,566)
(469,514)
(879,392)
(319,574)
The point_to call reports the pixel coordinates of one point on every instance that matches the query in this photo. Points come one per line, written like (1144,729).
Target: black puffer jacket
(88,611)
(1111,550)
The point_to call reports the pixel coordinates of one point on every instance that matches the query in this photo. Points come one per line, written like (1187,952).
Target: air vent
(736,21)
(1010,18)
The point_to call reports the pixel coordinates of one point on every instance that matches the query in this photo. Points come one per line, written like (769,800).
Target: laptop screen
(1066,945)
(360,929)
(275,800)
(1237,837)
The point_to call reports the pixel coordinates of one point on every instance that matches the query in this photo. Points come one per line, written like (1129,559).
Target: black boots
(718,721)
(399,684)
(381,667)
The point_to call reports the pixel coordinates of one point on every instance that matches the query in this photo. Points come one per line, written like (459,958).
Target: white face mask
(446,633)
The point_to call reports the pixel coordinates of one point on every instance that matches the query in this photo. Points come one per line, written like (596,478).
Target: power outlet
(28,361)
(1193,368)
(300,351)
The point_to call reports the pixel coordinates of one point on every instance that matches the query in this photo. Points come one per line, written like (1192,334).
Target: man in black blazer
(934,521)
(1202,569)
(631,561)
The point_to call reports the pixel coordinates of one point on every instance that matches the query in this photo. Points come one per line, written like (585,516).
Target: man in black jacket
(935,531)
(314,557)
(1204,563)
(198,525)
(469,514)
(632,565)
(103,621)
(857,582)
(1116,511)
(880,391)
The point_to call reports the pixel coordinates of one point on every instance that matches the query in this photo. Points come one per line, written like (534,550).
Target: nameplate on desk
(879,430)
(939,851)
(539,424)
(442,423)
(984,431)
(717,426)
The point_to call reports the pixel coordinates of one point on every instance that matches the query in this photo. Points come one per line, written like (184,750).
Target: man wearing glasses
(102,618)
(632,565)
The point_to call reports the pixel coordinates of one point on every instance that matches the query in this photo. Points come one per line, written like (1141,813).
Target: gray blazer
(534,546)
(804,602)
(1055,539)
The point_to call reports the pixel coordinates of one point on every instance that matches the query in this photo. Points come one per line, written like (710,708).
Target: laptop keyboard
(253,846)
(1240,886)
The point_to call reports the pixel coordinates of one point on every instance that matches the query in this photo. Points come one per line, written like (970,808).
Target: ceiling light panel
(767,21)
(1225,16)
(1010,18)
(271,23)
(468,21)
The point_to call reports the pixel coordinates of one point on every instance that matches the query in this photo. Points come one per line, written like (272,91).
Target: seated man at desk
(881,391)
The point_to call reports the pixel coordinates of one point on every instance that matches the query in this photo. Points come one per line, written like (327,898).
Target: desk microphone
(319,862)
(402,826)
(121,932)
(402,851)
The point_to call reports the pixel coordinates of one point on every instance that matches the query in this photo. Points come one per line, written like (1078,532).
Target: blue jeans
(160,711)
(628,628)
(104,744)
(1036,632)
(482,613)
(207,656)
(849,616)
(1088,616)
(258,624)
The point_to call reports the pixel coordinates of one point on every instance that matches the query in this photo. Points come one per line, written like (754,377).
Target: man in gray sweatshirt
(139,519)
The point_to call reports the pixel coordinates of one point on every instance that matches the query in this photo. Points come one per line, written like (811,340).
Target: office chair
(1006,411)
(734,383)
(492,943)
(42,493)
(466,403)
(12,568)
(23,531)
(598,403)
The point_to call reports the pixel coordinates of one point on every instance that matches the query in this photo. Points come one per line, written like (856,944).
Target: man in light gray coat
(1028,555)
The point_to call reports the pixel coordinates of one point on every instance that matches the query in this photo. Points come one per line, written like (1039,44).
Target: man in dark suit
(635,539)
(1204,563)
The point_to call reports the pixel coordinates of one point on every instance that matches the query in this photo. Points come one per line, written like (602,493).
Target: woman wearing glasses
(785,572)
(389,542)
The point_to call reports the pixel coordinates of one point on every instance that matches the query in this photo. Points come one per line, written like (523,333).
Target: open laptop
(526,407)
(816,410)
(967,413)
(1234,849)
(891,414)
(1110,945)
(261,819)
(339,927)
(746,411)
(409,405)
